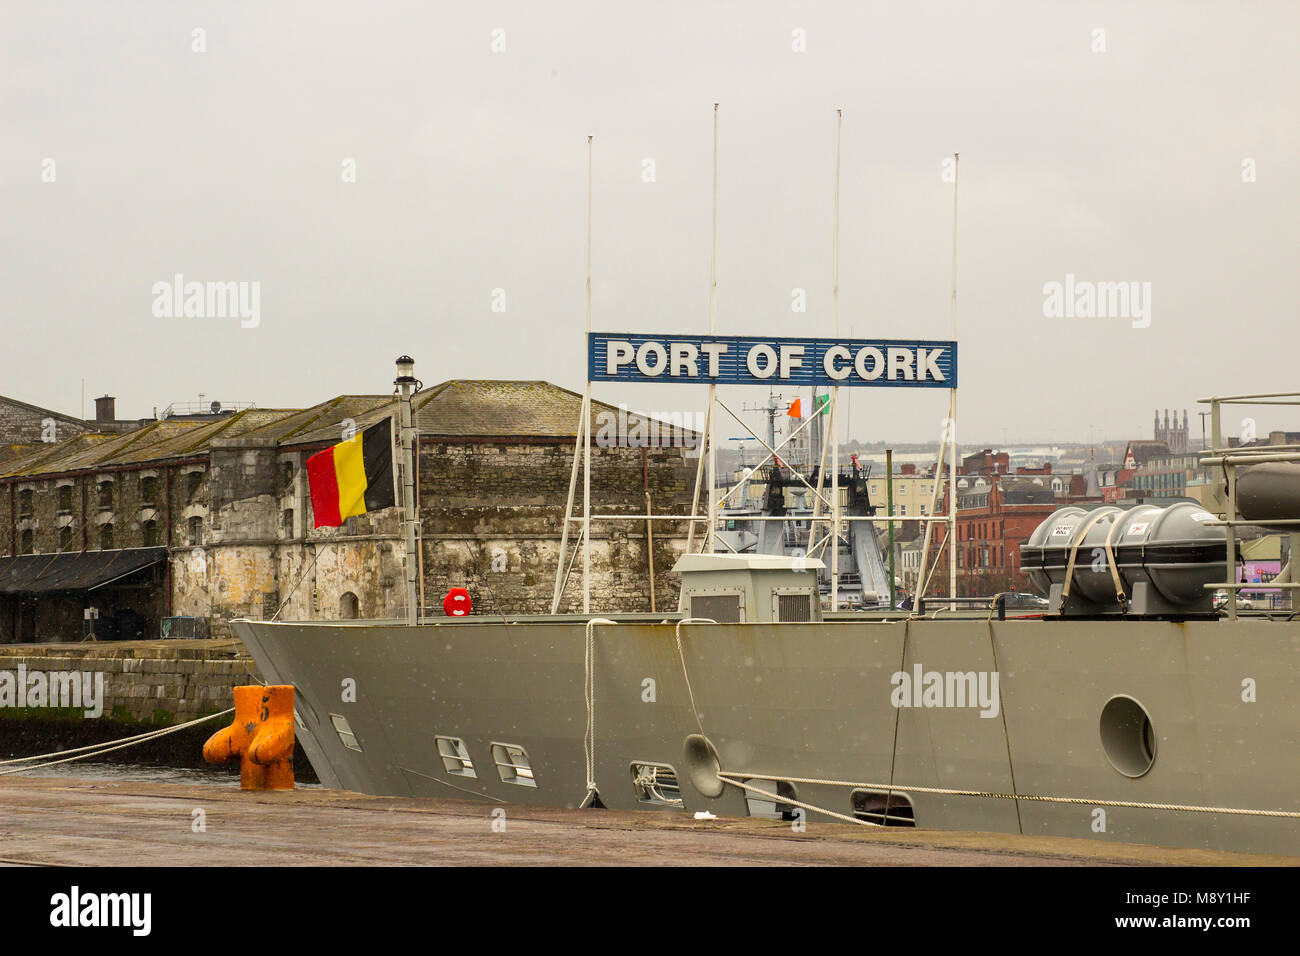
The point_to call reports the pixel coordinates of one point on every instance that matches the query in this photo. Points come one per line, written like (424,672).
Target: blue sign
(749,360)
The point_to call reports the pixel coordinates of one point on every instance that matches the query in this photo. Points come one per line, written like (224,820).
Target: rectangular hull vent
(344,730)
(455,757)
(869,805)
(656,784)
(513,765)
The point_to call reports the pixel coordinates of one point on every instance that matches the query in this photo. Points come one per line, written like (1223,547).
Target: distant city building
(1173,435)
(985,462)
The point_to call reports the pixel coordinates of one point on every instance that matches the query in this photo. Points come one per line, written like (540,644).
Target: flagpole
(404,384)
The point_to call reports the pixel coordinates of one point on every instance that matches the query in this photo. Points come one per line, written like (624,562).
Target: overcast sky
(470,176)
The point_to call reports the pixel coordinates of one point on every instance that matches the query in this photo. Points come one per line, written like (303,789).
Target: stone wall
(156,682)
(492,517)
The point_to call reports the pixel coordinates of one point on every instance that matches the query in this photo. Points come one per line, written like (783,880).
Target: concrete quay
(78,822)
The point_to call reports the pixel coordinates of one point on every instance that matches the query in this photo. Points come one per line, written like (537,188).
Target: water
(226,777)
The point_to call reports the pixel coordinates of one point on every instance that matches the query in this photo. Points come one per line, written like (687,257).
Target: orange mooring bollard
(261,736)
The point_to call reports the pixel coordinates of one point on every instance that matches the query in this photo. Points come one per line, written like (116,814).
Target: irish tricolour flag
(353,477)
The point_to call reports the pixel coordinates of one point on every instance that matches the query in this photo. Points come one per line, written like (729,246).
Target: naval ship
(1131,711)
(779,520)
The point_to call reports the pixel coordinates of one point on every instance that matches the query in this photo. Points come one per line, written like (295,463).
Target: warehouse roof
(73,571)
(485,408)
(461,408)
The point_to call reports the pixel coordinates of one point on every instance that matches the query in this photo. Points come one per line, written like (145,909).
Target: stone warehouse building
(24,424)
(179,526)
(23,427)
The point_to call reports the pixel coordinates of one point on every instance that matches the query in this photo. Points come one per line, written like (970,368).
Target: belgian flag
(353,477)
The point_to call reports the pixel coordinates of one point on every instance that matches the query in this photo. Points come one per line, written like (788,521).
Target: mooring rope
(898,713)
(945,791)
(677,634)
(105,746)
(776,798)
(589,698)
(1006,734)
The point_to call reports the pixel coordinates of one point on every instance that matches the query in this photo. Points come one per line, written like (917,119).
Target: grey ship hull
(813,701)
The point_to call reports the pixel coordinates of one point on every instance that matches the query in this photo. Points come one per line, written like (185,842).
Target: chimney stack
(105,409)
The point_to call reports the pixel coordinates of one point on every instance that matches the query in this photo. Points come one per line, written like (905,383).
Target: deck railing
(1231,459)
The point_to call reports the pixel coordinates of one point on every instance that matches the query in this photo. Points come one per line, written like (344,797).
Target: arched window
(149,490)
(151,534)
(27,542)
(105,495)
(196,531)
(65,538)
(349,606)
(106,536)
(25,501)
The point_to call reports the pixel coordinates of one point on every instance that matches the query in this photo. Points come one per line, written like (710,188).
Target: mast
(952,412)
(586,423)
(708,461)
(711,424)
(832,432)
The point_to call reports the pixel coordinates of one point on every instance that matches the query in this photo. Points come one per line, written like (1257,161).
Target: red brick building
(993,519)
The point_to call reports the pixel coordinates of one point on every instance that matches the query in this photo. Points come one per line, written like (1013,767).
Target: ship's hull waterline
(815,702)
